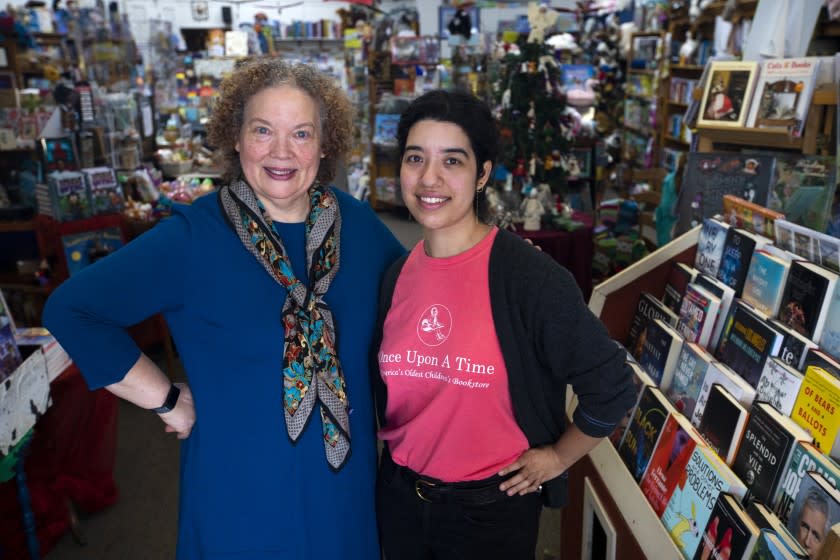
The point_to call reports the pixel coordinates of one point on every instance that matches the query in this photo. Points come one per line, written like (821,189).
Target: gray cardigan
(549,339)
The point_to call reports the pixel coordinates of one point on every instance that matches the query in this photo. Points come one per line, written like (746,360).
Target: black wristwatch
(171,400)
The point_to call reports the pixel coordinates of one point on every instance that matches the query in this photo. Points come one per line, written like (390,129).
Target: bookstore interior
(680,157)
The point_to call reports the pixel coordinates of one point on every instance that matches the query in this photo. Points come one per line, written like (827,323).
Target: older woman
(269,287)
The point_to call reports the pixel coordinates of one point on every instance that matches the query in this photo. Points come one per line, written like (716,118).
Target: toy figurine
(532,212)
(540,18)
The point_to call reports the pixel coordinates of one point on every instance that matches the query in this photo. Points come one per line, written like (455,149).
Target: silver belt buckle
(418,485)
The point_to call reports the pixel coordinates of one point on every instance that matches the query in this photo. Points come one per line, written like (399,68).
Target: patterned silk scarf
(311,371)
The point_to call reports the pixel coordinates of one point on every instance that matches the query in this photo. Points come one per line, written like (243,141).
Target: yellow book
(817,409)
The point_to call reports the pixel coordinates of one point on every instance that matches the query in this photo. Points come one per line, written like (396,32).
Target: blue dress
(246,491)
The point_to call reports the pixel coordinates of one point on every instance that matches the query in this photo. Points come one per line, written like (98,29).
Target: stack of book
(736,431)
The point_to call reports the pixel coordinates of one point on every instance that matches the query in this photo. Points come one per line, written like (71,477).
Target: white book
(783,93)
(779,385)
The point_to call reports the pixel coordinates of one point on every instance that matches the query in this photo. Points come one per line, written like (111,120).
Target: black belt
(432,490)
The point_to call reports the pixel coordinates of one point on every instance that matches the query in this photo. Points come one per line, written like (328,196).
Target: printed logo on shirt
(435,325)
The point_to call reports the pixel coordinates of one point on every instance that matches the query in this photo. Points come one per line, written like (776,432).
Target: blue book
(688,378)
(710,246)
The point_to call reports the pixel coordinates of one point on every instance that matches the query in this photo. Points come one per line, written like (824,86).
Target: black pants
(464,521)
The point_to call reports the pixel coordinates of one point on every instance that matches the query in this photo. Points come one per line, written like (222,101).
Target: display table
(572,249)
(70,459)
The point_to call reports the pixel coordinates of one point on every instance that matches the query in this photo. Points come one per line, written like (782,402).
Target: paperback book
(765,282)
(679,277)
(816,357)
(83,249)
(748,340)
(783,94)
(807,297)
(817,409)
(10,357)
(804,458)
(729,532)
(710,246)
(640,381)
(645,426)
(697,315)
(105,192)
(688,378)
(723,423)
(660,351)
(726,296)
(737,253)
(779,385)
(648,308)
(69,195)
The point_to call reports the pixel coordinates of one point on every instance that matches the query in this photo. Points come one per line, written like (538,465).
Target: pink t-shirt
(449,414)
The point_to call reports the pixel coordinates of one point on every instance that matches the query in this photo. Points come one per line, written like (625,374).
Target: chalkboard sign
(709,176)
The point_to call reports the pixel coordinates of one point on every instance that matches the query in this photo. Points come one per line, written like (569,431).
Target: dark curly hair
(254,74)
(469,113)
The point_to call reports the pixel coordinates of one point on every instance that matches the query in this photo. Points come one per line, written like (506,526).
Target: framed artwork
(405,50)
(200,10)
(445,16)
(580,163)
(727,94)
(599,534)
(59,154)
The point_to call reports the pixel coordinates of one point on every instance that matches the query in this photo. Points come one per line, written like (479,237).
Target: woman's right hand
(180,419)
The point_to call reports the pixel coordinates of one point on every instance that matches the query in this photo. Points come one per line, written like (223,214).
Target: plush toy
(540,18)
(461,24)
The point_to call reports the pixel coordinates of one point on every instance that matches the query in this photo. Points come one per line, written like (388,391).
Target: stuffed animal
(540,18)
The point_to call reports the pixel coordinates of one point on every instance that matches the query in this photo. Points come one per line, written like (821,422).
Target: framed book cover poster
(59,154)
(727,94)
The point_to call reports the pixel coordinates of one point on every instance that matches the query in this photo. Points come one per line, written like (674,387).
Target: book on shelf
(830,337)
(808,294)
(816,509)
(106,194)
(726,295)
(697,315)
(769,546)
(69,196)
(738,250)
(749,215)
(678,279)
(747,341)
(804,458)
(799,240)
(83,249)
(817,409)
(693,500)
(710,246)
(734,383)
(723,423)
(640,381)
(727,94)
(709,176)
(660,350)
(648,308)
(816,357)
(779,385)
(765,450)
(767,520)
(666,467)
(688,378)
(728,533)
(640,438)
(783,94)
(765,282)
(804,189)
(795,346)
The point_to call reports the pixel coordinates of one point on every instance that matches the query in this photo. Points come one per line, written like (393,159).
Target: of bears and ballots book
(817,409)
(804,458)
(694,497)
(709,176)
(765,450)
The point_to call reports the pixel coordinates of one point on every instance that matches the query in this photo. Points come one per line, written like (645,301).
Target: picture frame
(599,534)
(727,94)
(59,154)
(445,15)
(582,163)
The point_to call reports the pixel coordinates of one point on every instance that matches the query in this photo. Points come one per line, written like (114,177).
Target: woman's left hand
(532,468)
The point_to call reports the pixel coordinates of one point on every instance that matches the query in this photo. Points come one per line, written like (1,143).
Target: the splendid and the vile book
(765,451)
(694,497)
(710,246)
(688,378)
(779,385)
(640,437)
(817,409)
(804,458)
(666,468)
(729,532)
(748,340)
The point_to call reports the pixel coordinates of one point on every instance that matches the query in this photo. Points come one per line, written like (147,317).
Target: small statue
(532,212)
(540,18)
(687,49)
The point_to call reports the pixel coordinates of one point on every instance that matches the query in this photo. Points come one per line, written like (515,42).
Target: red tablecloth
(572,249)
(71,457)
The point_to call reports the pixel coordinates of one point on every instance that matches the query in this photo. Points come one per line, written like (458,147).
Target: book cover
(806,298)
(737,253)
(765,282)
(105,192)
(767,520)
(727,94)
(723,423)
(640,437)
(70,195)
(765,450)
(710,246)
(816,357)
(783,94)
(830,336)
(770,547)
(750,216)
(648,309)
(748,340)
(385,129)
(803,189)
(697,316)
(666,468)
(640,381)
(709,176)
(795,346)
(804,458)
(688,378)
(678,279)
(729,532)
(726,295)
(817,409)
(694,497)
(779,385)
(83,249)
(10,357)
(797,240)
(660,350)
(734,383)
(816,509)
